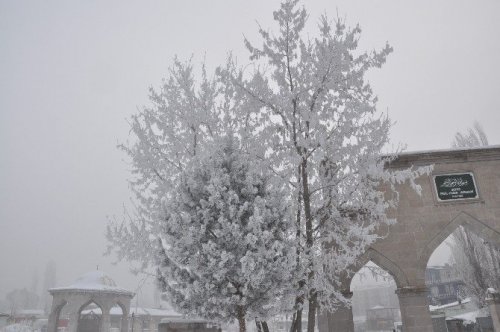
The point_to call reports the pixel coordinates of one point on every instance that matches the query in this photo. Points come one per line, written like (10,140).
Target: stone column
(124,325)
(339,321)
(136,322)
(73,321)
(153,324)
(105,319)
(52,324)
(493,300)
(414,309)
(57,304)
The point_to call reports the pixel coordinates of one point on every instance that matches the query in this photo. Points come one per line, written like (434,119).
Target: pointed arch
(385,263)
(89,302)
(462,219)
(119,321)
(57,314)
(95,321)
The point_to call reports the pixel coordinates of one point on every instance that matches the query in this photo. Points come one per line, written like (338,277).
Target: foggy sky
(72,73)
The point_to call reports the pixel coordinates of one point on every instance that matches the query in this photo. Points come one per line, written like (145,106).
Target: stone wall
(424,222)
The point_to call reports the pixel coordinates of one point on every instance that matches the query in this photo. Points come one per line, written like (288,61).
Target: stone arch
(93,287)
(386,264)
(425,221)
(83,306)
(462,219)
(57,313)
(123,319)
(88,302)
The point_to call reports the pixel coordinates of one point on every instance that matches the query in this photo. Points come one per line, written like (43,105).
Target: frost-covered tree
(225,238)
(476,262)
(210,219)
(313,117)
(474,137)
(19,299)
(305,116)
(184,117)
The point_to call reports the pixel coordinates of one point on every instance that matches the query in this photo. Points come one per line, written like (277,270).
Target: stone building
(443,284)
(462,190)
(97,291)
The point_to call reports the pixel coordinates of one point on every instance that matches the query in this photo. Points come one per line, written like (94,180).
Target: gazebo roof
(94,282)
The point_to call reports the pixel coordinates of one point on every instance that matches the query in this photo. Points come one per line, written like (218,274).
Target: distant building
(4,317)
(443,284)
(366,298)
(380,318)
(461,316)
(94,303)
(187,325)
(27,315)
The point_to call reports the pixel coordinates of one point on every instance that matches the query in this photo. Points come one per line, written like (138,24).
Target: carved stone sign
(455,186)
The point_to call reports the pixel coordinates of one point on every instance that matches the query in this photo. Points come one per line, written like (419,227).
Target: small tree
(476,262)
(225,251)
(474,137)
(19,299)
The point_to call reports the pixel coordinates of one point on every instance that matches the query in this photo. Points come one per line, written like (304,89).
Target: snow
(31,312)
(492,147)
(492,291)
(469,317)
(448,305)
(94,281)
(137,311)
(378,307)
(16,328)
(183,320)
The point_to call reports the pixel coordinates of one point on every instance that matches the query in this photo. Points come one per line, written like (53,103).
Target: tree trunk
(265,328)
(311,317)
(261,326)
(311,314)
(258,325)
(296,321)
(240,315)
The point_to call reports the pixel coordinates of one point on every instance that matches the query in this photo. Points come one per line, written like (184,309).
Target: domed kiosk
(94,288)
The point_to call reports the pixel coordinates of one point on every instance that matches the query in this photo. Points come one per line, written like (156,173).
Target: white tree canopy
(307,120)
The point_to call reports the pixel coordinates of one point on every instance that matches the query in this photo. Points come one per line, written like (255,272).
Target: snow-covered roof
(488,147)
(181,319)
(448,305)
(492,291)
(95,281)
(137,311)
(160,312)
(30,312)
(408,158)
(469,317)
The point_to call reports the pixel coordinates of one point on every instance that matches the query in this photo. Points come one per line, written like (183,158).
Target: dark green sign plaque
(455,186)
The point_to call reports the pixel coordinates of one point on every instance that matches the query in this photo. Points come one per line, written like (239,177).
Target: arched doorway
(117,317)
(459,272)
(61,316)
(89,304)
(90,318)
(375,305)
(462,190)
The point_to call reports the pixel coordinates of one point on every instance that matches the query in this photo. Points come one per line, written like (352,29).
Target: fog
(72,73)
